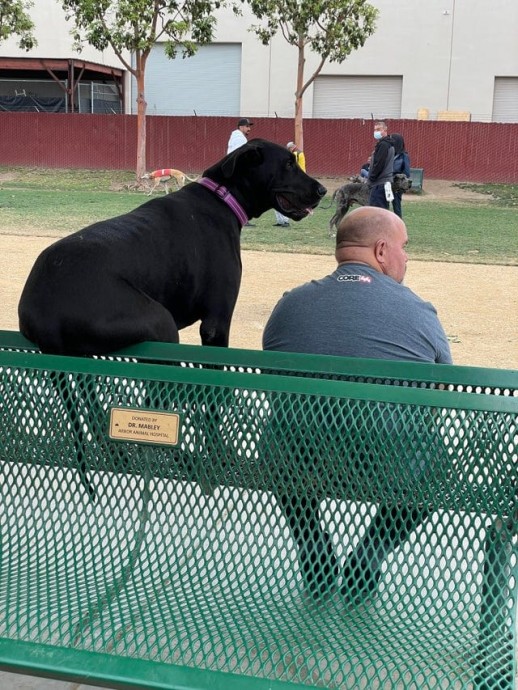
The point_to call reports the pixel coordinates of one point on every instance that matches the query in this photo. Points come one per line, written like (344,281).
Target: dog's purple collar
(227,197)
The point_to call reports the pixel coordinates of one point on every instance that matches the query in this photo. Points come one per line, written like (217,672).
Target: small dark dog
(358,193)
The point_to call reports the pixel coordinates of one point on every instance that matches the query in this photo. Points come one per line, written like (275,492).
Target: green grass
(466,233)
(501,194)
(62,180)
(57,213)
(55,203)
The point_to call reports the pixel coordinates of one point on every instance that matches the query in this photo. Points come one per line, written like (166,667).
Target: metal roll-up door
(357,96)
(209,83)
(505,99)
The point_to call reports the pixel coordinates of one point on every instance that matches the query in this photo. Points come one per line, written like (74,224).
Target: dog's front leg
(215,332)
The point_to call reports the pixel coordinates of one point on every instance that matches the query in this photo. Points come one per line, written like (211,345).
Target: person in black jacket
(381,168)
(401,165)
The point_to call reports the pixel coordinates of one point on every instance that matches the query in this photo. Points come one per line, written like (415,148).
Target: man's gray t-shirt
(357,312)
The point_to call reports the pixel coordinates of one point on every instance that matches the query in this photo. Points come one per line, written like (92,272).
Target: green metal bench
(417,176)
(153,507)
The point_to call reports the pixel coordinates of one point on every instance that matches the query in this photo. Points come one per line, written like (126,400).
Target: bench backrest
(487,381)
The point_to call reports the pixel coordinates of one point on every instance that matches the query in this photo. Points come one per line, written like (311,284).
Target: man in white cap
(239,136)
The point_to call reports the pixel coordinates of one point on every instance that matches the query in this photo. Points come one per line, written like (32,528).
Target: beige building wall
(448,53)
(54,39)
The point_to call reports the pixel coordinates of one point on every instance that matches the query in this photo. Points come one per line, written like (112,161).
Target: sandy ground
(477,304)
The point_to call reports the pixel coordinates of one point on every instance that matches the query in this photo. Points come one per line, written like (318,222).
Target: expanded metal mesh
(328,533)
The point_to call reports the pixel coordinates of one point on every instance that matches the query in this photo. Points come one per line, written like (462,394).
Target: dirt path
(477,304)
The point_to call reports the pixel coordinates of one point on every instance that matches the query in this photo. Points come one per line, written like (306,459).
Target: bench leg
(496,663)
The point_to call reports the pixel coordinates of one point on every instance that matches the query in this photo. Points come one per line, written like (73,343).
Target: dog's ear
(250,154)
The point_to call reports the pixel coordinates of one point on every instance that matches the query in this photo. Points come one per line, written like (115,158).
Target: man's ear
(250,154)
(380,251)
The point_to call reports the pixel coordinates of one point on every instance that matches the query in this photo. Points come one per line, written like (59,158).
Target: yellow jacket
(301,159)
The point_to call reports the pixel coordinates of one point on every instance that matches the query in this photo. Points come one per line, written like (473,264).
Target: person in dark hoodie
(401,165)
(381,168)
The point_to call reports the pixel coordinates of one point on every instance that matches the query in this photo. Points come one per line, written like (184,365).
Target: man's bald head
(363,227)
(373,236)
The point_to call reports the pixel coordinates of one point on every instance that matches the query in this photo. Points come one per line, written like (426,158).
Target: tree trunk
(299,129)
(141,116)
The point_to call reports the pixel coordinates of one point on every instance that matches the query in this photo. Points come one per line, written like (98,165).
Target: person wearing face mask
(381,171)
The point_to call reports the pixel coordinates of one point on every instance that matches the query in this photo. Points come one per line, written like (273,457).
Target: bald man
(362,309)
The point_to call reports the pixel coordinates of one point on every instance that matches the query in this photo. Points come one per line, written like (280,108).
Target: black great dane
(172,261)
(149,273)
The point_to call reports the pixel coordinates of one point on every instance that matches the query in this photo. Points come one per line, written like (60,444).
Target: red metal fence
(468,151)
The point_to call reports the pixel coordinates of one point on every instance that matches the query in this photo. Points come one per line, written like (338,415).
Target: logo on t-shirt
(354,279)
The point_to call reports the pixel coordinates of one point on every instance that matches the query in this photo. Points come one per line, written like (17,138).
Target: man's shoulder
(386,143)
(304,293)
(309,286)
(415,301)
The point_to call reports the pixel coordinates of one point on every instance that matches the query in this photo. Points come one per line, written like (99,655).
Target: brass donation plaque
(144,426)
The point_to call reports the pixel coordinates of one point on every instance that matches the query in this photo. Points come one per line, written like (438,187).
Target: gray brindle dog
(357,192)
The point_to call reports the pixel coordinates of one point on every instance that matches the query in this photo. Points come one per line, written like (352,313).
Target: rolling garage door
(505,99)
(209,83)
(357,96)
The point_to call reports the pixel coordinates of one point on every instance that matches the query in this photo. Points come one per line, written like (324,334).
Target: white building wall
(256,67)
(447,52)
(484,46)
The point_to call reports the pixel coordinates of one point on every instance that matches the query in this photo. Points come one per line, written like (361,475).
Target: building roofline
(58,64)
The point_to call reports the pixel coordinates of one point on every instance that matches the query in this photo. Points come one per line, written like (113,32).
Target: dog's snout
(321,191)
